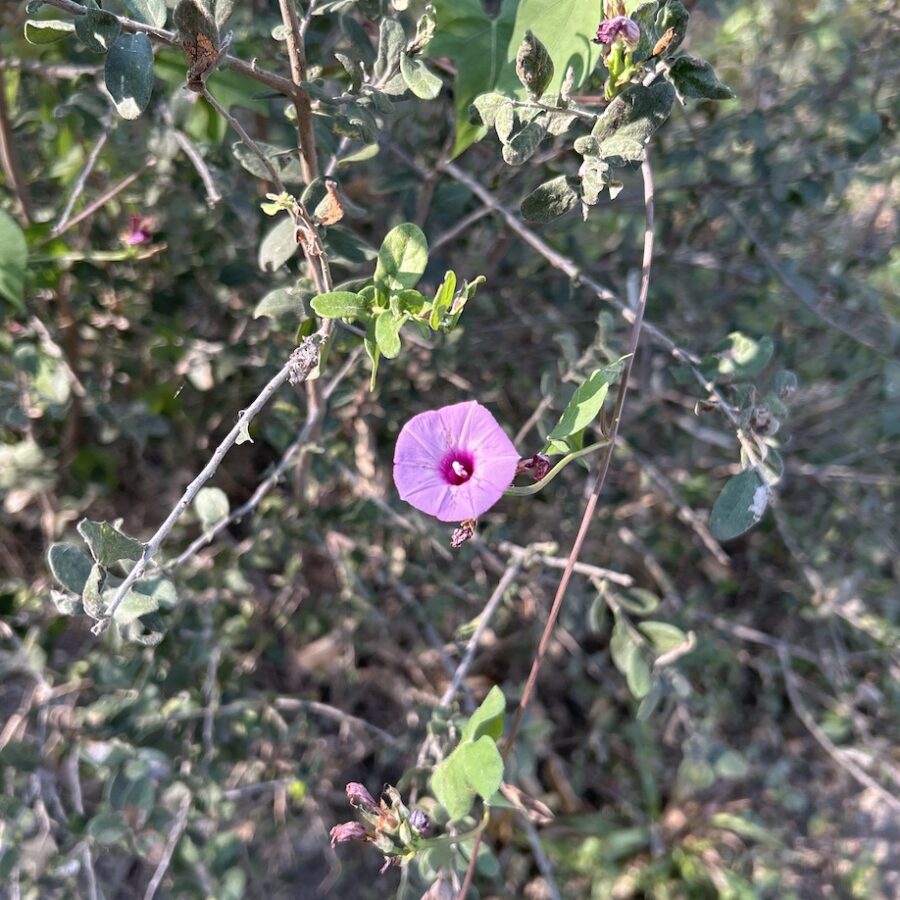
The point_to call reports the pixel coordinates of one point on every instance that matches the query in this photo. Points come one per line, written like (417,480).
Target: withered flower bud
(360,798)
(346,832)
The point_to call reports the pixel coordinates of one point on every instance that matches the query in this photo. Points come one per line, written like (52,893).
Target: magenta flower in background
(454,463)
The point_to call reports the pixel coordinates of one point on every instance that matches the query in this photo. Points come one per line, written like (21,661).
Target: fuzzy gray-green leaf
(739,507)
(129,74)
(551,200)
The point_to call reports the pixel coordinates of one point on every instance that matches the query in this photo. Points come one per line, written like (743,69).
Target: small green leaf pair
(475,767)
(390,301)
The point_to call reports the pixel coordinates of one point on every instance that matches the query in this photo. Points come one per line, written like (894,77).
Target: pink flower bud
(360,798)
(621,29)
(346,832)
(420,823)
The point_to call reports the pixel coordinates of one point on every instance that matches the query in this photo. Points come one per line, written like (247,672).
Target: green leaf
(149,630)
(145,597)
(424,84)
(387,334)
(47,31)
(222,10)
(551,200)
(673,15)
(637,676)
(630,120)
(484,49)
(662,635)
(451,787)
(106,828)
(278,246)
(740,356)
(648,705)
(13,261)
(696,78)
(584,406)
(443,299)
(629,660)
(211,505)
(97,29)
(534,68)
(360,155)
(153,12)
(129,74)
(594,173)
(637,601)
(391,41)
(133,606)
(485,109)
(284,161)
(107,544)
(487,720)
(523,145)
(402,258)
(70,566)
(739,507)
(482,764)
(91,596)
(283,302)
(477,44)
(645,16)
(339,305)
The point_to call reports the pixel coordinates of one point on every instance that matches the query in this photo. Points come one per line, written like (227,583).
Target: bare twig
(199,163)
(250,144)
(263,488)
(825,742)
(9,159)
(600,477)
(337,715)
(484,619)
(682,510)
(292,704)
(297,54)
(83,176)
(89,874)
(543,863)
(53,71)
(174,837)
(297,369)
(104,198)
(161,36)
(542,553)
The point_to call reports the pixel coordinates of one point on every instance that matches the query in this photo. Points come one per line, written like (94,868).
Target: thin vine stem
(591,506)
(600,478)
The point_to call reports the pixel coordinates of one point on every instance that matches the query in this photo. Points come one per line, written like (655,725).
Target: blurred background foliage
(308,644)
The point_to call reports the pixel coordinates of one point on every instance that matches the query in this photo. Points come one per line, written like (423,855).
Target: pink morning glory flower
(454,463)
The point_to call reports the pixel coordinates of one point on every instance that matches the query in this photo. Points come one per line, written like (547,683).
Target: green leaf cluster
(475,767)
(390,300)
(90,584)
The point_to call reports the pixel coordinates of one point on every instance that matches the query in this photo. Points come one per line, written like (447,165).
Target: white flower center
(459,469)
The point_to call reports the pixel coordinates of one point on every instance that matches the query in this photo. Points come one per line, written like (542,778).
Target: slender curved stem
(600,478)
(529,489)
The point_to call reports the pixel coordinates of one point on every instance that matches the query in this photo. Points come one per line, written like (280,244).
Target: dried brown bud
(465,532)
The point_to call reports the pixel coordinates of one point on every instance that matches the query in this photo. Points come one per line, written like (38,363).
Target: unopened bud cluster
(386,823)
